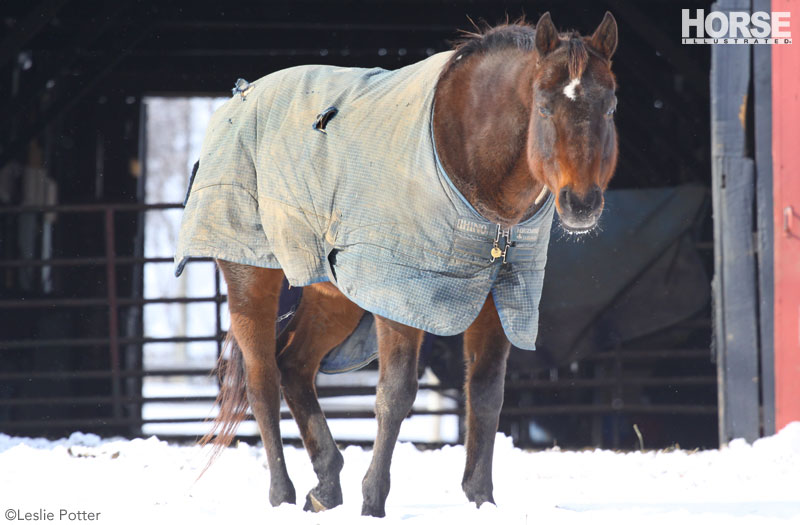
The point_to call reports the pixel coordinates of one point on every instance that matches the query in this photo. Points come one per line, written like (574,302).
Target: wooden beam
(762,105)
(734,285)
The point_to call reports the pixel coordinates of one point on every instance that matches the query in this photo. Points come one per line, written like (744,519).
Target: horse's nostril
(594,197)
(563,198)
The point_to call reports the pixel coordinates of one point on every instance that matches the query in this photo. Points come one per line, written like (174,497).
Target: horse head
(518,110)
(572,140)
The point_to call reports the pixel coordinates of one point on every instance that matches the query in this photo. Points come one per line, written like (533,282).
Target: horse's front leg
(253,303)
(323,320)
(485,351)
(398,352)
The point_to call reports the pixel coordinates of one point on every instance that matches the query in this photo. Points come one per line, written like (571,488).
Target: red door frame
(786,209)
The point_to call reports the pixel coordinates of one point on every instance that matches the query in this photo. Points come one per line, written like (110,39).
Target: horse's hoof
(317,502)
(373,510)
(479,496)
(313,504)
(480,501)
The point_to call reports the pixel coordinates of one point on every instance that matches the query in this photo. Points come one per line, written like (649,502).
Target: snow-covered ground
(151,481)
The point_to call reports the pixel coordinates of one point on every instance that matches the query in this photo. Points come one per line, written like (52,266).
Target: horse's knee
(397,382)
(486,394)
(395,397)
(328,462)
(486,377)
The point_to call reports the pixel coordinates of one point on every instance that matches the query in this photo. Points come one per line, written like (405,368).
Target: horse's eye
(611,111)
(545,111)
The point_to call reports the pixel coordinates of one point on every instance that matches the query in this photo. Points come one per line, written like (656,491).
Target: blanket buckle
(496,251)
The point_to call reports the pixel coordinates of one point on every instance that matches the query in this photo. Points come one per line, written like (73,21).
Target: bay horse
(518,111)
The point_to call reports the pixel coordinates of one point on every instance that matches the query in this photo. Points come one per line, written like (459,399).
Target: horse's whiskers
(579,235)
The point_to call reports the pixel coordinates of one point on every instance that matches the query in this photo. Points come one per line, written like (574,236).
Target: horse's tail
(231,400)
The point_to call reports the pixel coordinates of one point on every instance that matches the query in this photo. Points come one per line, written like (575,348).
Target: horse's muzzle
(578,213)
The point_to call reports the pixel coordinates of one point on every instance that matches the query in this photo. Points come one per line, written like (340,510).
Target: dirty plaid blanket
(358,198)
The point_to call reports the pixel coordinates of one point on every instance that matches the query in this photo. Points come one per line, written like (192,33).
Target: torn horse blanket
(364,202)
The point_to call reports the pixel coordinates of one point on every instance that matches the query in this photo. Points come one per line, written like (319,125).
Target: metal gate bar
(115,374)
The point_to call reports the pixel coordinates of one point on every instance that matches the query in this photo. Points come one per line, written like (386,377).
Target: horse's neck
(481,121)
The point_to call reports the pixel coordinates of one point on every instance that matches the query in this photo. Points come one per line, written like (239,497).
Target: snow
(147,479)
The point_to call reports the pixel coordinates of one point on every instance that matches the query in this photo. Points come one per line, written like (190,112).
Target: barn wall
(92,63)
(786,187)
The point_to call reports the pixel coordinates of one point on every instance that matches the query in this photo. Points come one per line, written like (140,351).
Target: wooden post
(762,105)
(786,195)
(733,192)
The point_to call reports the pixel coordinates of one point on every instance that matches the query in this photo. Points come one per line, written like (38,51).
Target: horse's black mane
(516,35)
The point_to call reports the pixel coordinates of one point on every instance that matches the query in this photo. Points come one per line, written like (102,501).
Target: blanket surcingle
(364,202)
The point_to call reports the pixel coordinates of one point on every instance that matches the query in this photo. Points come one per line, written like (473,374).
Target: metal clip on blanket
(496,251)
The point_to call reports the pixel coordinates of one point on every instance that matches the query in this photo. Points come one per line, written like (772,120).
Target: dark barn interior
(72,79)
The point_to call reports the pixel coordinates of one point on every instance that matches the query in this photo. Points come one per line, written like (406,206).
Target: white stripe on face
(569,89)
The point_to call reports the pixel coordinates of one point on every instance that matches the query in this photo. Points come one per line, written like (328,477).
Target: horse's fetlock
(376,485)
(337,461)
(375,493)
(328,464)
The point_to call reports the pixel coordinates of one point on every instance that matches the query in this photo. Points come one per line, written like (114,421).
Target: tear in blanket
(365,204)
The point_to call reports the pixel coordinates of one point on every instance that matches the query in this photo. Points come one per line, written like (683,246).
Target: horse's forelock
(577,57)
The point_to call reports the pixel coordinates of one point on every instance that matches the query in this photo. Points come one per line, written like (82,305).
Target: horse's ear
(604,39)
(546,35)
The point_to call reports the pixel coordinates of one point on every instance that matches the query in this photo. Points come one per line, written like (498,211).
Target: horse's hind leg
(323,320)
(485,351)
(398,351)
(253,303)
